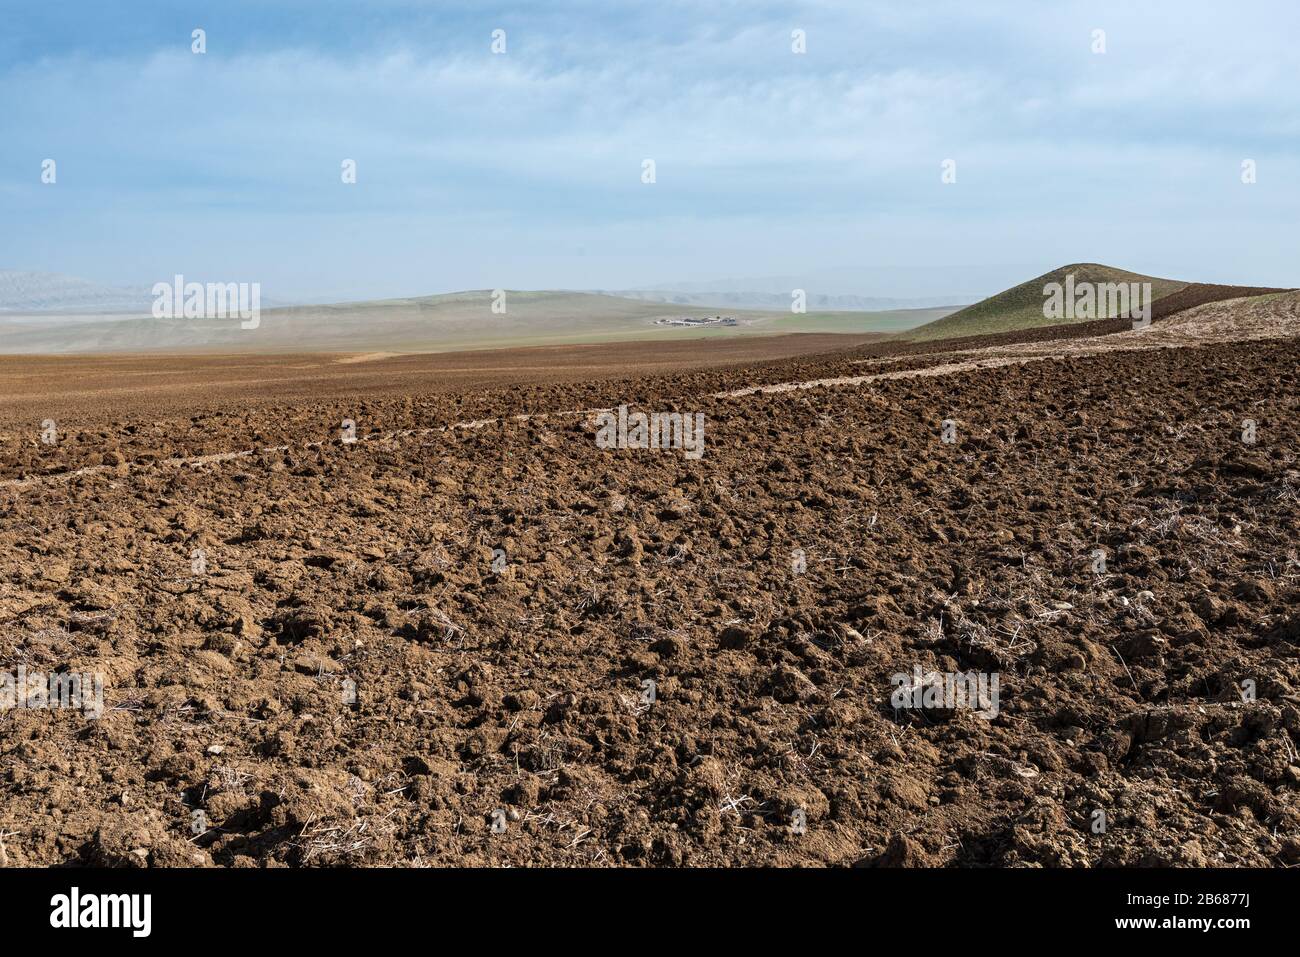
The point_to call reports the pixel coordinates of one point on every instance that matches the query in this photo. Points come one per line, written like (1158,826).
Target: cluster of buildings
(697,321)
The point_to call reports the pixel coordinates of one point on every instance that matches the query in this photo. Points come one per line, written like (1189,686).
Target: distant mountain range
(45,292)
(431,323)
(816,302)
(54,294)
(50,312)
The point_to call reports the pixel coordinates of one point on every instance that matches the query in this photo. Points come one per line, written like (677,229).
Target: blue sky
(523,170)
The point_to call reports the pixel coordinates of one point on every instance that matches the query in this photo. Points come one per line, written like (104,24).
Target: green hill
(1021,307)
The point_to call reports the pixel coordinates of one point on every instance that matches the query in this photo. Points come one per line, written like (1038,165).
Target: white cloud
(801,160)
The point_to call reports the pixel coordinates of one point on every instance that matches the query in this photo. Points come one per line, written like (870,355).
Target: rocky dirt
(431,646)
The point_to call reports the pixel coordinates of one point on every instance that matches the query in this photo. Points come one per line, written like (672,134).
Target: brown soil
(110,388)
(519,688)
(1200,293)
